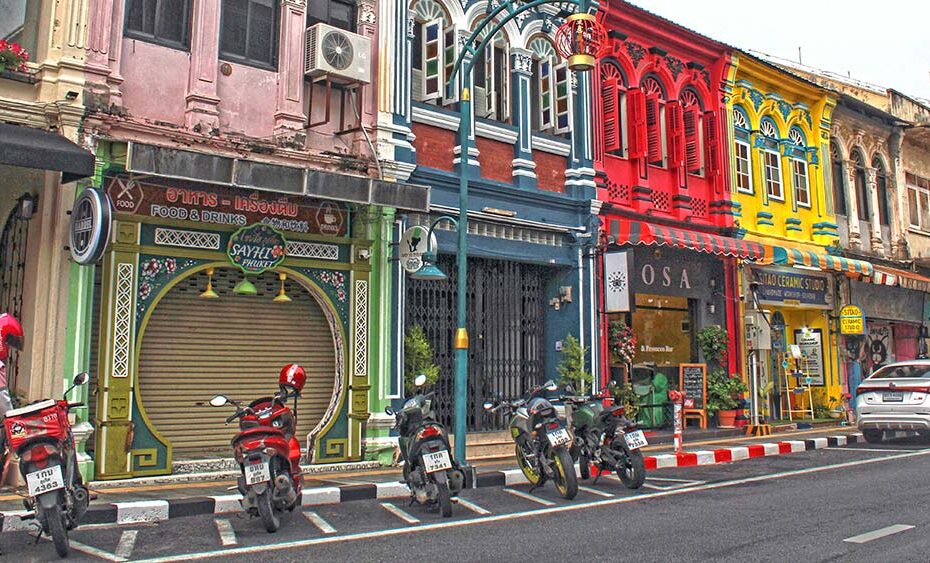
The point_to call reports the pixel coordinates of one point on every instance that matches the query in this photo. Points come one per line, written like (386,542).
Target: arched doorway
(13,241)
(194,348)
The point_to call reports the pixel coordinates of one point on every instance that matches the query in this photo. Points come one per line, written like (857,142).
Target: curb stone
(159,510)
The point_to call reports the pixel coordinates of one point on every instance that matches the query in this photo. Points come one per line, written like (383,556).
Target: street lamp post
(579,40)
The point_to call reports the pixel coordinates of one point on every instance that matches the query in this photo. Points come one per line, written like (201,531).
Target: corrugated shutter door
(236,345)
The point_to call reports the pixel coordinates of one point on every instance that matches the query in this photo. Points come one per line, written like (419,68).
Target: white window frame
(795,163)
(918,191)
(751,189)
(777,180)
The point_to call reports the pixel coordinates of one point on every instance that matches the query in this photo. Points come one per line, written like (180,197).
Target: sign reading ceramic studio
(91,220)
(412,247)
(852,321)
(793,287)
(256,248)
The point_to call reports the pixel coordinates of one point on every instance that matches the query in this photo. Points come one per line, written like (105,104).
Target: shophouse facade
(214,131)
(530,184)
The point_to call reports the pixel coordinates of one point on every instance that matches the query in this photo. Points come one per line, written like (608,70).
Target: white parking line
(877,450)
(528,496)
(651,478)
(473,507)
(227,534)
(595,492)
(877,534)
(78,546)
(671,487)
(400,513)
(127,542)
(318,521)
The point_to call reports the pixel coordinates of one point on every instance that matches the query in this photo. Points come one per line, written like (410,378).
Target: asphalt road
(793,507)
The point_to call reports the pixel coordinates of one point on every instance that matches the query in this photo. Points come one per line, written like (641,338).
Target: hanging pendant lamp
(209,293)
(282,297)
(245,287)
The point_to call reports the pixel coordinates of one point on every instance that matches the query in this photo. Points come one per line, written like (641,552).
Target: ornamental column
(524,167)
(289,117)
(874,219)
(201,112)
(852,205)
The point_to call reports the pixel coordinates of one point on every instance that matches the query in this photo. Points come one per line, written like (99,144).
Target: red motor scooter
(268,451)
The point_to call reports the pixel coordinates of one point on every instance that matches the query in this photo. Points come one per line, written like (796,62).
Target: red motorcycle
(40,434)
(268,451)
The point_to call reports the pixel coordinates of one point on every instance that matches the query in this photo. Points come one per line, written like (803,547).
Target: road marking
(651,478)
(318,521)
(400,513)
(94,551)
(877,534)
(227,534)
(473,507)
(595,492)
(680,484)
(127,542)
(530,497)
(494,518)
(899,450)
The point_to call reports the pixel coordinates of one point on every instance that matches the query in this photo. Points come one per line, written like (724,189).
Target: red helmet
(293,376)
(11,335)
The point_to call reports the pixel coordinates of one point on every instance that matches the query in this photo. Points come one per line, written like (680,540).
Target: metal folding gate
(506,326)
(12,276)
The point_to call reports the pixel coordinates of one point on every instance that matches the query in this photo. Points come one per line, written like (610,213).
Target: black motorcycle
(542,440)
(432,476)
(606,438)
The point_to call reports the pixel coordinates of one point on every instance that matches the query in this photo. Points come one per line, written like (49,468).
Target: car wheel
(873,436)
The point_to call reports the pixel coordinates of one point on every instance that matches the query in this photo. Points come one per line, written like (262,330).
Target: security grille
(12,275)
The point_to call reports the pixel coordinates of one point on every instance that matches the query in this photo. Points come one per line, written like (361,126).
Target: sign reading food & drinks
(256,248)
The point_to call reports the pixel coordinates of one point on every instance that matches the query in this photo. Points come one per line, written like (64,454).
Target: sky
(884,43)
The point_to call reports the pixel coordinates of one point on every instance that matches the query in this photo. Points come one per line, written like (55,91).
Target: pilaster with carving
(852,206)
(524,168)
(289,117)
(201,111)
(875,223)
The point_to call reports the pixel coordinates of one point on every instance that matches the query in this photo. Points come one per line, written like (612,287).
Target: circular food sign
(91,220)
(256,248)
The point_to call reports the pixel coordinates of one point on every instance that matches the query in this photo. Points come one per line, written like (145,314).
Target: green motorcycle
(607,439)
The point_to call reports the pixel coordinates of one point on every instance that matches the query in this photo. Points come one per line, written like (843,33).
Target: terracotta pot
(726,419)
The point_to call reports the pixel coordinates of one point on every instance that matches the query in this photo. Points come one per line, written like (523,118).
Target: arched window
(771,160)
(433,53)
(692,111)
(613,108)
(550,87)
(655,117)
(492,80)
(839,178)
(799,180)
(881,185)
(862,188)
(743,151)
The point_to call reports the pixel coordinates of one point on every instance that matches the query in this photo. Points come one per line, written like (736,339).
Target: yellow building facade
(779,162)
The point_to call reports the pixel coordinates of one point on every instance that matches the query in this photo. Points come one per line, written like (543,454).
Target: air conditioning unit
(341,56)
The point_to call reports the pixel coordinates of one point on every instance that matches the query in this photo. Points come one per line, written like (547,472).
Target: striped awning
(901,278)
(638,232)
(790,256)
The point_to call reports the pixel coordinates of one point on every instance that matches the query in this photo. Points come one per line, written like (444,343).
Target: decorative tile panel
(122,319)
(319,251)
(187,239)
(361,327)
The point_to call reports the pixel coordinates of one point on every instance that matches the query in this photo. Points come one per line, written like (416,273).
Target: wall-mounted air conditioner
(341,56)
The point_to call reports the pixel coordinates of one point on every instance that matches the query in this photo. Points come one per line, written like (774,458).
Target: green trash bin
(651,389)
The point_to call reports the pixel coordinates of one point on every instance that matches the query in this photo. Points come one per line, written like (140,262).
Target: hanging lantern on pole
(579,40)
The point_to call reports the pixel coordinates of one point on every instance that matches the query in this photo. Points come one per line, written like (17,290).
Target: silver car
(895,397)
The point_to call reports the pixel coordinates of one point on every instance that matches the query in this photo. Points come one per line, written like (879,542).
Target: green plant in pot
(572,368)
(418,358)
(723,394)
(625,396)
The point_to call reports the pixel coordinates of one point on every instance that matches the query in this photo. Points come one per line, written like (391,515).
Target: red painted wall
(434,146)
(496,159)
(550,171)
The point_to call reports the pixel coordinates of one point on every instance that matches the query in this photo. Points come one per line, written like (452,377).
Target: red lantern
(580,40)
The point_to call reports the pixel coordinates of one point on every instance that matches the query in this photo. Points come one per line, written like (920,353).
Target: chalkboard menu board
(692,379)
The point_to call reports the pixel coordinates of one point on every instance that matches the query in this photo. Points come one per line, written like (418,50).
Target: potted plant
(12,57)
(622,341)
(418,358)
(625,396)
(571,370)
(723,394)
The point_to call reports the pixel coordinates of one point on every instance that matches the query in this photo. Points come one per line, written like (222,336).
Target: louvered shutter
(610,107)
(193,349)
(673,122)
(692,140)
(712,142)
(653,130)
(636,109)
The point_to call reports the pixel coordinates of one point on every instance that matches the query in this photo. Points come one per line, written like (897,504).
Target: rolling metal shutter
(236,345)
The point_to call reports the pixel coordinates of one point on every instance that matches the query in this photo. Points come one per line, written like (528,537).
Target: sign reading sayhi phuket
(256,248)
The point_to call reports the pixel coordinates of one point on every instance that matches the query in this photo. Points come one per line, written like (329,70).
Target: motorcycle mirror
(218,401)
(389,411)
(488,406)
(81,378)
(551,386)
(420,380)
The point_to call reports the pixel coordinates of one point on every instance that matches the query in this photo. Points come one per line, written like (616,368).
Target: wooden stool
(700,416)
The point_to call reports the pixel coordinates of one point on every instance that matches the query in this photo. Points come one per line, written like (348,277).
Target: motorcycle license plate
(45,480)
(559,437)
(437,461)
(635,440)
(256,473)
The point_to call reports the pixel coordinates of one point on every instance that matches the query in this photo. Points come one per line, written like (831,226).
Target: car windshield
(902,372)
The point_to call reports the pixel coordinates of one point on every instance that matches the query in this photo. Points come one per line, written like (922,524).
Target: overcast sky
(885,43)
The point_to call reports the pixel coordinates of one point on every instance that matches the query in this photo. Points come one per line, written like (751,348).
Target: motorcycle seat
(254,433)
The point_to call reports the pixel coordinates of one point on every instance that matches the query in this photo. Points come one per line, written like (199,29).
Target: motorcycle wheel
(584,467)
(528,470)
(445,499)
(565,479)
(56,528)
(632,473)
(270,518)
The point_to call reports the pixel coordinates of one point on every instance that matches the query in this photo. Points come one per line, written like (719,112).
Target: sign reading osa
(256,248)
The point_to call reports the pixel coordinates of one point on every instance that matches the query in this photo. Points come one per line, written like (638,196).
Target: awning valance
(789,256)
(36,148)
(902,278)
(638,232)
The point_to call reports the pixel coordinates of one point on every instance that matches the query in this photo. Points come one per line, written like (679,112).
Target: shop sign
(667,271)
(256,248)
(91,220)
(617,281)
(220,205)
(810,345)
(412,247)
(852,321)
(790,287)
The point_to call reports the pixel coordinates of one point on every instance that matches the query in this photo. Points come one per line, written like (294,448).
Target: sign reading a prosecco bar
(256,248)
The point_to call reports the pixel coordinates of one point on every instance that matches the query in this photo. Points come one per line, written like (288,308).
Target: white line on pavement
(494,518)
(318,521)
(874,535)
(651,478)
(403,515)
(94,551)
(127,542)
(876,450)
(595,492)
(530,497)
(473,507)
(227,534)
(672,487)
